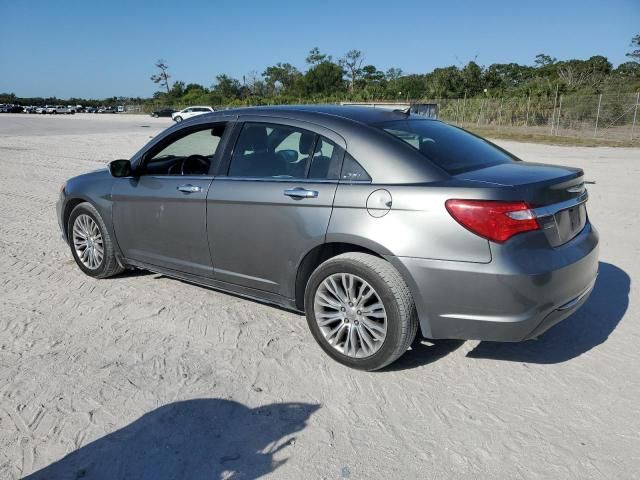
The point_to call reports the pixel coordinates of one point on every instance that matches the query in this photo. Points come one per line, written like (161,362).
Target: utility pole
(635,114)
(464,103)
(595,132)
(553,117)
(480,114)
(559,113)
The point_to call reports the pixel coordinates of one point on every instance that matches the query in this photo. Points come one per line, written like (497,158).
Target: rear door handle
(299,192)
(189,188)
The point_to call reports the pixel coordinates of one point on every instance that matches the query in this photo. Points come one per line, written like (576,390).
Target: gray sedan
(374,223)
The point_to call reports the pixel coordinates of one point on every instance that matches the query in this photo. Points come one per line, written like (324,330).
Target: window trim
(312,152)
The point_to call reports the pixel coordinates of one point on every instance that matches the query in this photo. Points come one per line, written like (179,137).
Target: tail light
(493,220)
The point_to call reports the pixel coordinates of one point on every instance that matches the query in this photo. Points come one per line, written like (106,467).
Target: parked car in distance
(165,112)
(14,109)
(41,110)
(9,108)
(374,223)
(190,112)
(90,110)
(107,110)
(30,109)
(59,110)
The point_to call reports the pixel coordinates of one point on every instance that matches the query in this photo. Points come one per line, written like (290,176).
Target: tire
(154,115)
(390,289)
(108,265)
(178,119)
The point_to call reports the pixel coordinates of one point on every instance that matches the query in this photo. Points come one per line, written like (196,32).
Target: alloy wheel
(350,315)
(88,242)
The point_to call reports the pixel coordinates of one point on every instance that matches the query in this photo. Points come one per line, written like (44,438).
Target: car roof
(361,114)
(354,125)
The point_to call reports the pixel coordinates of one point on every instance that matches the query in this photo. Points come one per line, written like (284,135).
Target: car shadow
(195,439)
(423,352)
(590,326)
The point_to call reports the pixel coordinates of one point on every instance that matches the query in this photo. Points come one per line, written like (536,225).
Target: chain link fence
(612,117)
(607,116)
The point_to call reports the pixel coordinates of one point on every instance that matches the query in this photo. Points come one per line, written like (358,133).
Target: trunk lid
(557,194)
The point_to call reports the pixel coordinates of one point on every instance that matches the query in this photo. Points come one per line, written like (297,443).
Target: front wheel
(91,244)
(360,311)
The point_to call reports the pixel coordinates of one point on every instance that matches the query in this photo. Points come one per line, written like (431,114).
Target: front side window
(280,152)
(190,154)
(451,148)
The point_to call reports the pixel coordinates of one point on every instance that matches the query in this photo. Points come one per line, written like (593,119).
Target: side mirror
(120,168)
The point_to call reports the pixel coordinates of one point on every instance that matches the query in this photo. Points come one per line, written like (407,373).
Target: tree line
(352,78)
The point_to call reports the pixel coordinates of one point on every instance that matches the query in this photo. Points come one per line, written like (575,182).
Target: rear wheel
(360,311)
(91,244)
(178,119)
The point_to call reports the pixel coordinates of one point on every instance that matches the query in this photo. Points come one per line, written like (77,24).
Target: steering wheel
(195,165)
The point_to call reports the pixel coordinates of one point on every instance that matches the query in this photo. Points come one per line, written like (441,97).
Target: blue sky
(105,48)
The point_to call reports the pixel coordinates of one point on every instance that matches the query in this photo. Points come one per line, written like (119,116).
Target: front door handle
(189,188)
(299,192)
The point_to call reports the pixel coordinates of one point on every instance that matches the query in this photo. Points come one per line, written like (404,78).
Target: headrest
(256,138)
(306,142)
(427,146)
(217,131)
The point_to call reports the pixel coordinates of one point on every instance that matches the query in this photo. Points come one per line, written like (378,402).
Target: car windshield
(451,148)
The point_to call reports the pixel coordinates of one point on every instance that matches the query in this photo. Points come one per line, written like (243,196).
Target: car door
(274,204)
(159,214)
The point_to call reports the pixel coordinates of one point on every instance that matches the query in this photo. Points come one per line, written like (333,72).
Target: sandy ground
(142,376)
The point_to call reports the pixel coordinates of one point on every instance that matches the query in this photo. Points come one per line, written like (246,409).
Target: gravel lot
(142,376)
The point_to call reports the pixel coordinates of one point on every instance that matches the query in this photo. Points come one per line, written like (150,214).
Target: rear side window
(322,157)
(271,151)
(282,152)
(451,148)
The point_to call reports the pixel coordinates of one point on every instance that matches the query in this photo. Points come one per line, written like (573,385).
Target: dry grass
(551,139)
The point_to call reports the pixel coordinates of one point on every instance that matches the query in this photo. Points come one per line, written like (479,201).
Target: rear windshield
(451,148)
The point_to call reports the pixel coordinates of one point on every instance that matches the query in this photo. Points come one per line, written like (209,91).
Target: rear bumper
(513,298)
